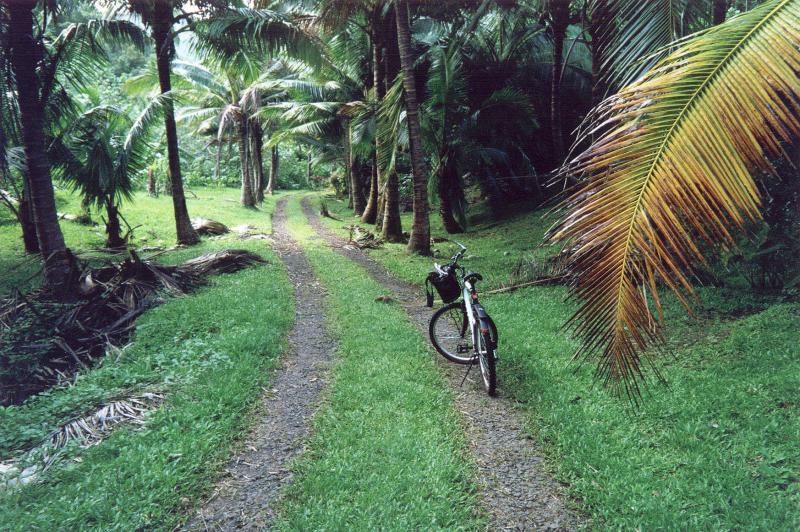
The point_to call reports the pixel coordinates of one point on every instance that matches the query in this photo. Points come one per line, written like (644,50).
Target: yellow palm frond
(670,167)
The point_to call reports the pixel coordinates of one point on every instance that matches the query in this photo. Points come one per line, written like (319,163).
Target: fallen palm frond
(51,340)
(669,169)
(364,239)
(225,261)
(86,431)
(209,227)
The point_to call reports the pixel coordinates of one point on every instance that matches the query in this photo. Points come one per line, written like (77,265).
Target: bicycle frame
(472,307)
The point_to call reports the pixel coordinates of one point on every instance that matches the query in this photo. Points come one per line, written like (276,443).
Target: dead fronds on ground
(44,342)
(363,239)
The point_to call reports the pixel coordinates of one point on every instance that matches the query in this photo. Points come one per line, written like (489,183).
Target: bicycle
(449,325)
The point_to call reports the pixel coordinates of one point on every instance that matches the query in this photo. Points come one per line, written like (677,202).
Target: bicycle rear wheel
(450,334)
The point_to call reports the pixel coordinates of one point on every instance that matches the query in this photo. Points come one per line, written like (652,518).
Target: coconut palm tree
(217,106)
(670,171)
(160,17)
(420,240)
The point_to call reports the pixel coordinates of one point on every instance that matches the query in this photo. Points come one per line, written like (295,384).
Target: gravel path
(242,499)
(517,490)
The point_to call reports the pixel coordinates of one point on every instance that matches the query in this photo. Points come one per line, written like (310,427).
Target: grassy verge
(716,449)
(387,450)
(209,353)
(152,219)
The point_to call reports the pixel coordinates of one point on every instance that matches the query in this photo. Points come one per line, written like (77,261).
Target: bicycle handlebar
(458,255)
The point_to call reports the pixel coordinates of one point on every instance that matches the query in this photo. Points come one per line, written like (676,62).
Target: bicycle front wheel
(487,359)
(450,334)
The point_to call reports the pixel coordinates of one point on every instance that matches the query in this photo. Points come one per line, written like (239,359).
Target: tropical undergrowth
(715,448)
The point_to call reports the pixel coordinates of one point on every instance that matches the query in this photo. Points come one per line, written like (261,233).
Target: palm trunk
(308,171)
(446,183)
(273,170)
(348,170)
(161,29)
(113,237)
(389,210)
(720,11)
(25,215)
(371,211)
(258,161)
(420,241)
(560,23)
(246,198)
(58,261)
(356,187)
(152,190)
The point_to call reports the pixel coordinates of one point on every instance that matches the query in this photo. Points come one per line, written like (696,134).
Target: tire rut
(253,479)
(518,492)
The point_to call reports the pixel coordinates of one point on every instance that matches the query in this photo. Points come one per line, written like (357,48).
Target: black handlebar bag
(445,284)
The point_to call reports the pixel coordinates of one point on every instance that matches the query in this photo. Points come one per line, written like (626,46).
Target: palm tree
(26,54)
(218,106)
(670,171)
(100,152)
(420,240)
(41,69)
(159,15)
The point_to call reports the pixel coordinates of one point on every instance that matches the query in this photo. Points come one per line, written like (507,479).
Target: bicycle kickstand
(469,368)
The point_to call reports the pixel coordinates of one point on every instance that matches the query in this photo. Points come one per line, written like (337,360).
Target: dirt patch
(244,498)
(518,491)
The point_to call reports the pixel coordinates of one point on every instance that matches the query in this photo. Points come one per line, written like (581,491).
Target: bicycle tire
(457,331)
(488,362)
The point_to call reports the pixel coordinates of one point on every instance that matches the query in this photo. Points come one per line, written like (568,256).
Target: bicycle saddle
(473,276)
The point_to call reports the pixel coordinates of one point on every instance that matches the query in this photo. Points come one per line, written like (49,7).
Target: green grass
(494,247)
(716,449)
(209,353)
(152,219)
(387,450)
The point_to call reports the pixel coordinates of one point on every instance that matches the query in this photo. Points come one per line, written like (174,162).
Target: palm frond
(670,170)
(635,31)
(268,32)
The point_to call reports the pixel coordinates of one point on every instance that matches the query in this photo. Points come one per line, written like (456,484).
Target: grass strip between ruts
(387,450)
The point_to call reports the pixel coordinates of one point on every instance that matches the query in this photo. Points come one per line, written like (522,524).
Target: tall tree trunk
(152,189)
(246,199)
(113,228)
(353,171)
(161,27)
(371,210)
(217,160)
(25,56)
(370,213)
(446,184)
(389,208)
(258,161)
(273,170)
(720,11)
(25,212)
(308,170)
(560,14)
(392,229)
(348,164)
(420,241)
